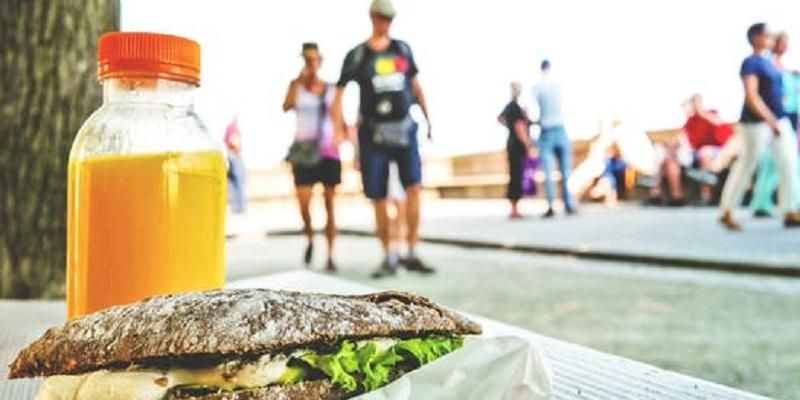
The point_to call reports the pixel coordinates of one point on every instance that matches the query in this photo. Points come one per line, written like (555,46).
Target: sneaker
(384,271)
(702,176)
(729,223)
(655,201)
(676,202)
(762,214)
(571,211)
(416,265)
(549,214)
(792,220)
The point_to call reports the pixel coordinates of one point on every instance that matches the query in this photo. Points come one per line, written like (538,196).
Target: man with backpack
(386,73)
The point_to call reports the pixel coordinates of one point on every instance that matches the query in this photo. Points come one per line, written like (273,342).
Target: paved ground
(685,235)
(738,330)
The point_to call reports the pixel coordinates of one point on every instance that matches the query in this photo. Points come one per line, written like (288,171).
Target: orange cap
(153,55)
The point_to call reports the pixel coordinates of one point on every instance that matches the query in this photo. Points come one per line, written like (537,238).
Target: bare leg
(400,223)
(382,224)
(658,176)
(514,209)
(412,216)
(672,171)
(303,194)
(397,223)
(330,225)
(705,159)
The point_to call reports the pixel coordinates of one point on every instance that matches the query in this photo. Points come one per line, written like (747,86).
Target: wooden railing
(477,175)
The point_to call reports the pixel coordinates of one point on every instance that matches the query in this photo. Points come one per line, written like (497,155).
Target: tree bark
(47,88)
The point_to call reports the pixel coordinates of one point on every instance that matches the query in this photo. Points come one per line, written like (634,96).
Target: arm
(756,103)
(711,117)
(236,142)
(337,115)
(501,119)
(521,129)
(416,88)
(291,96)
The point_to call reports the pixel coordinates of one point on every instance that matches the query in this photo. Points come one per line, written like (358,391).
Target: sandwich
(242,344)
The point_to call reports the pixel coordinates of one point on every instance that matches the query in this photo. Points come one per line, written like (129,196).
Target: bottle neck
(158,91)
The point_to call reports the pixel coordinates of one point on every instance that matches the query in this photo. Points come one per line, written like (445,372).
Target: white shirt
(307,112)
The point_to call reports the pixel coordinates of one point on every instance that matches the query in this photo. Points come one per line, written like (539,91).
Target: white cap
(383,7)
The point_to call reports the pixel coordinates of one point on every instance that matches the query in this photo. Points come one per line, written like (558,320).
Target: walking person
(236,174)
(314,154)
(518,146)
(767,178)
(386,73)
(553,140)
(764,124)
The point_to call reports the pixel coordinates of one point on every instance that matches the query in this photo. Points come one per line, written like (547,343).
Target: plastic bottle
(146,188)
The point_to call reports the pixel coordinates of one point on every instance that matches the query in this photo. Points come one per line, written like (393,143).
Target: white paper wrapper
(498,368)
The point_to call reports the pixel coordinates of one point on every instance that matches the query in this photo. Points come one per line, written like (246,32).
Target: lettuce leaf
(293,375)
(338,366)
(429,349)
(352,367)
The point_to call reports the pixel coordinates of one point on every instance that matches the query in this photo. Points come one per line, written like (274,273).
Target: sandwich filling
(353,366)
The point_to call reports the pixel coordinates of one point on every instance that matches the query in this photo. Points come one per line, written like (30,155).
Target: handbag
(528,172)
(305,153)
(395,134)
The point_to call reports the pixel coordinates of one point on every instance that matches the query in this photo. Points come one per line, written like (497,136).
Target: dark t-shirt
(770,86)
(384,79)
(512,113)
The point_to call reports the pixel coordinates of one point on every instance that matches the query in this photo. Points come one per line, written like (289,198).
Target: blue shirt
(548,96)
(791,91)
(770,86)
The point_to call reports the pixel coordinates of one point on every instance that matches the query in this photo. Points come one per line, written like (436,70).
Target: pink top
(307,111)
(233,139)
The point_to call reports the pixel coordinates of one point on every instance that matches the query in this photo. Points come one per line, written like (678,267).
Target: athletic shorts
(327,172)
(375,162)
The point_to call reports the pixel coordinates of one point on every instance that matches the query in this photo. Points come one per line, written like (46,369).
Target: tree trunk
(48,88)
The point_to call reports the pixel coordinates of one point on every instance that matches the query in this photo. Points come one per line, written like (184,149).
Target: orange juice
(142,225)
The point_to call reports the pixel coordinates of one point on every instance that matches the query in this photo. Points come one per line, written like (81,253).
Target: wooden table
(578,372)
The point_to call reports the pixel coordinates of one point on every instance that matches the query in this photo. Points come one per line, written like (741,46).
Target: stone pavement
(683,237)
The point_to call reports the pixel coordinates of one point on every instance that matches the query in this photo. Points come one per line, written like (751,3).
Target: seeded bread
(228,323)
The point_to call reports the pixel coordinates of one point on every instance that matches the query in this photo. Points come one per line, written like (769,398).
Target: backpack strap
(402,47)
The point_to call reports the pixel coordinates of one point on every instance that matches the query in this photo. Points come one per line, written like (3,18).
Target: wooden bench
(477,175)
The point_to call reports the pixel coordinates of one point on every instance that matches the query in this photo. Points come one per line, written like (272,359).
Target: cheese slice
(149,384)
(154,385)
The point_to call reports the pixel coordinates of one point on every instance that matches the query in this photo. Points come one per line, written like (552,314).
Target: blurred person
(616,148)
(314,154)
(236,172)
(518,146)
(702,148)
(553,140)
(767,177)
(386,73)
(607,186)
(764,125)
